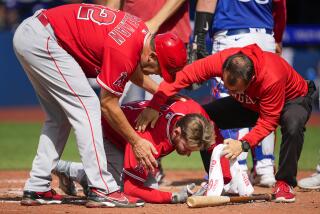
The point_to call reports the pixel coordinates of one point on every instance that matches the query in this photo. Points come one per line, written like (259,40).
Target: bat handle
(265,197)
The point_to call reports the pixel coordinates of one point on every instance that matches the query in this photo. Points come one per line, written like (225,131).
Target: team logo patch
(121,81)
(139,168)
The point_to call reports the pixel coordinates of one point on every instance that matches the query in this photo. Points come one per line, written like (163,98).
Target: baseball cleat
(84,185)
(284,193)
(31,198)
(99,199)
(311,183)
(62,170)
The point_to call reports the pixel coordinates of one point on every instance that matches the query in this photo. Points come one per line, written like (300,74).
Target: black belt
(43,19)
(233,32)
(311,87)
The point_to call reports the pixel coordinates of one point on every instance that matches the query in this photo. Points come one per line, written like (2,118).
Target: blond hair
(197,130)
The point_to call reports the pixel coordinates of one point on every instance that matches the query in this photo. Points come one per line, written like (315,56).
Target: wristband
(202,22)
(245,145)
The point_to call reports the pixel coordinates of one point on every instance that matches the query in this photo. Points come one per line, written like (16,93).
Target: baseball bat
(211,201)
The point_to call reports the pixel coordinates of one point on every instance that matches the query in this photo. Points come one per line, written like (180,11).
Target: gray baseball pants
(68,101)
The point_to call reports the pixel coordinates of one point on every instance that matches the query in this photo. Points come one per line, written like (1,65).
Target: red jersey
(274,83)
(106,43)
(159,136)
(178,23)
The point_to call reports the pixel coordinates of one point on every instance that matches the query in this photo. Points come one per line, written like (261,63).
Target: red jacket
(274,83)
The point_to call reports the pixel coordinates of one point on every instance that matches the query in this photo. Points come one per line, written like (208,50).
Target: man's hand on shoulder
(147,116)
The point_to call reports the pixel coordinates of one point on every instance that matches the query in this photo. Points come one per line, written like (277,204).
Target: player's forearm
(208,6)
(136,189)
(144,81)
(117,120)
(270,107)
(196,72)
(257,134)
(280,18)
(147,84)
(266,123)
(167,10)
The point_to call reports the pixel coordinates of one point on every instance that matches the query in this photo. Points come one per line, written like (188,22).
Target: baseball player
(238,23)
(58,49)
(160,16)
(183,126)
(266,92)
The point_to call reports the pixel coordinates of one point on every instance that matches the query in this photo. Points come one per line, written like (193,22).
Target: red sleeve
(280,18)
(270,108)
(196,72)
(225,166)
(136,189)
(115,71)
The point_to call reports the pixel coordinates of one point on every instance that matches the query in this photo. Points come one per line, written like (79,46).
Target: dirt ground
(11,184)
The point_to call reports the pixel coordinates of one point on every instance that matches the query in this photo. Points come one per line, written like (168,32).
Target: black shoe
(98,198)
(31,198)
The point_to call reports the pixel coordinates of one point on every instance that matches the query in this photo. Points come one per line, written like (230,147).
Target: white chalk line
(9,202)
(12,181)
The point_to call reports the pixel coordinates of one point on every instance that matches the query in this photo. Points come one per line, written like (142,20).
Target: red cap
(171,53)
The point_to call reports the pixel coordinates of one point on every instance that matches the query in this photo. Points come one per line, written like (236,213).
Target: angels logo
(139,168)
(121,81)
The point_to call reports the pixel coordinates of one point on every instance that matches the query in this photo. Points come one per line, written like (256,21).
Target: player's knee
(293,127)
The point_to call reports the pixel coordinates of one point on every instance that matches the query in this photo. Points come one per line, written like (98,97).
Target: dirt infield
(11,184)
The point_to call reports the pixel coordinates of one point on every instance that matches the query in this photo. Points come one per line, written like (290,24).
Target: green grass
(19,142)
(18,145)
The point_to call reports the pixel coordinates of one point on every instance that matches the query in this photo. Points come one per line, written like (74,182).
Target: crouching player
(183,126)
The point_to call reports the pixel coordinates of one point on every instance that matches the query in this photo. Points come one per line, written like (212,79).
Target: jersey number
(98,14)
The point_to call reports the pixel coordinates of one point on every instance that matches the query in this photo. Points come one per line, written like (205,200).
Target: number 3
(98,14)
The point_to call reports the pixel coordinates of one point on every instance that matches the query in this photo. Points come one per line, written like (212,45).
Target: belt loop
(43,19)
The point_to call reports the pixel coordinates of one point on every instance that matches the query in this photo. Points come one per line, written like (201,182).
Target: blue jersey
(237,14)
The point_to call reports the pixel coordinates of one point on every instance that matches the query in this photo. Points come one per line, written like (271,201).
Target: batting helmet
(171,53)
